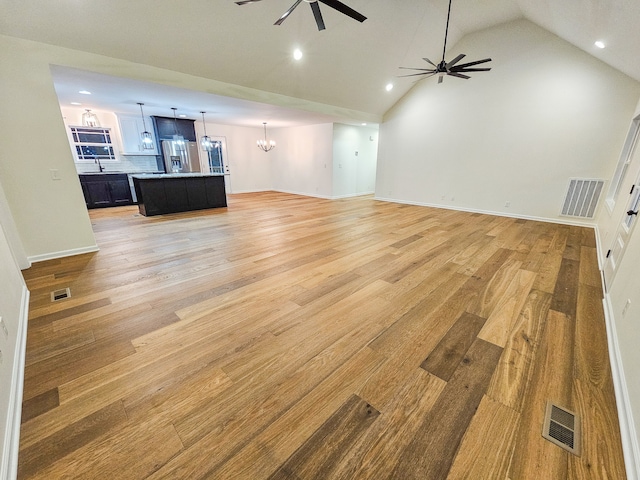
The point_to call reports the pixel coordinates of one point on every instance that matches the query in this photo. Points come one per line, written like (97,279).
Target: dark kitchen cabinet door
(106,190)
(120,192)
(166,128)
(99,194)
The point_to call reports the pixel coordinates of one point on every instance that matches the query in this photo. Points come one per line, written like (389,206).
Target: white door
(629,219)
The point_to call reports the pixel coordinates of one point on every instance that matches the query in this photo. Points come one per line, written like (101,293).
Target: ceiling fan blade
(459,75)
(416,74)
(342,8)
(477,62)
(419,69)
(429,61)
(287,13)
(461,69)
(317,15)
(245,2)
(456,60)
(440,78)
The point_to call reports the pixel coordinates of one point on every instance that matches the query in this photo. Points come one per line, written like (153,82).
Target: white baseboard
(568,221)
(625,414)
(9,463)
(63,253)
(303,194)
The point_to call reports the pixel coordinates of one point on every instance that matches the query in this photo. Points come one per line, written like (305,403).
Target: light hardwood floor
(287,337)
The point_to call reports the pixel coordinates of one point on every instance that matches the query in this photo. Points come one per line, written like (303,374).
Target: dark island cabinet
(158,194)
(106,190)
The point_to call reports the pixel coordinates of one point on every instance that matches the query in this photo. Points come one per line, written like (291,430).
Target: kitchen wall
(72,116)
(546,112)
(249,169)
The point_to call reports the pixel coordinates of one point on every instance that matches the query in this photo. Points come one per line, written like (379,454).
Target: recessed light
(76,103)
(297,54)
(364,124)
(85,92)
(389,87)
(182,116)
(599,44)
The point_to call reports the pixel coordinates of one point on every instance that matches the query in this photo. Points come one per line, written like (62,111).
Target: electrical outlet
(55,174)
(507,203)
(3,327)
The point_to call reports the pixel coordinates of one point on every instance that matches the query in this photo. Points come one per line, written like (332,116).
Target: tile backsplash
(127,163)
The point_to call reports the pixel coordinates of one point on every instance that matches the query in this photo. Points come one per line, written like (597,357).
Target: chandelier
(264,144)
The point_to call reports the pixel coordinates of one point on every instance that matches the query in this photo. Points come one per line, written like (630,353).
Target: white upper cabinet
(131,128)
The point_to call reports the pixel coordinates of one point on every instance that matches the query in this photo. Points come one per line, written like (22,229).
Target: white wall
(626,286)
(355,151)
(302,160)
(13,310)
(50,215)
(249,168)
(544,113)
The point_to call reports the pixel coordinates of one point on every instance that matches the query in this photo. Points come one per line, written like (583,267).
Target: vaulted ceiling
(347,65)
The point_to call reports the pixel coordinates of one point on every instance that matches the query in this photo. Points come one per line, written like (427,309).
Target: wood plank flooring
(288,337)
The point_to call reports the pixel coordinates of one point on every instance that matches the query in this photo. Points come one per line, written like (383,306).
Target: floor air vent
(60,294)
(582,197)
(562,427)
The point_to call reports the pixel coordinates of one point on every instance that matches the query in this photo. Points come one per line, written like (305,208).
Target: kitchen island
(180,192)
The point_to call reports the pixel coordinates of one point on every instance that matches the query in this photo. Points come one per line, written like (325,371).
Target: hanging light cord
(204,124)
(175,121)
(144,125)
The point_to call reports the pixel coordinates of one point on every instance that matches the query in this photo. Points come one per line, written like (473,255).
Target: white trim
(304,194)
(489,212)
(625,414)
(352,195)
(63,253)
(9,463)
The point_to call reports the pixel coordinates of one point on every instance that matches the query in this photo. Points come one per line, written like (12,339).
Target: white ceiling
(347,65)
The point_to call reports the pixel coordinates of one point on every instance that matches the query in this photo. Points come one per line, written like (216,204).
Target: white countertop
(152,176)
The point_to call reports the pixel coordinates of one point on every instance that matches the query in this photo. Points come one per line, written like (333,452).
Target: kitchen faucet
(100,167)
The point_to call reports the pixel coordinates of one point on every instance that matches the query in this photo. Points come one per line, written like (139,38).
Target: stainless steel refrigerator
(178,160)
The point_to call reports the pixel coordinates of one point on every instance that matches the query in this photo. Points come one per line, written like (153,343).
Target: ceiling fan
(315,7)
(448,68)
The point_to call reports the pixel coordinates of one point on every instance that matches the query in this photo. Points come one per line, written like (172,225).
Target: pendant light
(147,138)
(263,144)
(89,119)
(178,140)
(205,141)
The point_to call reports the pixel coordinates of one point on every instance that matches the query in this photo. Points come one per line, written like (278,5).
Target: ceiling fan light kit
(448,68)
(315,8)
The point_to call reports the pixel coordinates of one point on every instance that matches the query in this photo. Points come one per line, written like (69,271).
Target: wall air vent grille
(582,197)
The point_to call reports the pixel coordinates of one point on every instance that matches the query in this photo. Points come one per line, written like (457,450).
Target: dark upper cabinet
(165,128)
(106,190)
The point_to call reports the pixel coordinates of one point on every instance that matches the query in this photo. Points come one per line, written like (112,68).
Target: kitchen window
(92,143)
